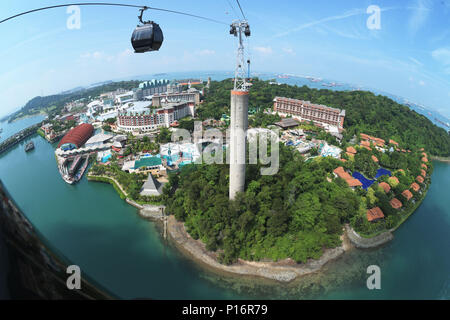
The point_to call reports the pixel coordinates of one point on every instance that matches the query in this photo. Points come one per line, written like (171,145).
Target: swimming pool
(366,183)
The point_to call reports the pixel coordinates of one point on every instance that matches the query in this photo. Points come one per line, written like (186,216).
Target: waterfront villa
(374,214)
(415,187)
(395,203)
(419,179)
(407,194)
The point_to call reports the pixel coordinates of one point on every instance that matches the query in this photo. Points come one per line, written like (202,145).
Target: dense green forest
(365,113)
(295,213)
(54,103)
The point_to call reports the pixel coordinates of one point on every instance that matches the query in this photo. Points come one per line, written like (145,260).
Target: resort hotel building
(307,111)
(152,119)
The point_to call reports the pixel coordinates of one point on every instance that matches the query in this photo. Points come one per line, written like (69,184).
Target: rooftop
(151,187)
(287,122)
(407,194)
(374,214)
(415,187)
(395,203)
(386,187)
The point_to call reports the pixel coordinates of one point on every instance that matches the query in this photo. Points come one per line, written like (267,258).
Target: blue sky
(409,56)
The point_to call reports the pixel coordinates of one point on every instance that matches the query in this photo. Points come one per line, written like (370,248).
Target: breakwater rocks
(365,243)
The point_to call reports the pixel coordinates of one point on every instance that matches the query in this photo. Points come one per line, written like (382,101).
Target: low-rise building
(395,203)
(374,214)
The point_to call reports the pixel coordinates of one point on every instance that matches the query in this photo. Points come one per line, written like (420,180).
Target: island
(352,169)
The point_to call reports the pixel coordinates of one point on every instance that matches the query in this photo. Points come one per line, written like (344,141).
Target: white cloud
(442,55)
(420,13)
(421,82)
(416,61)
(263,50)
(206,52)
(289,51)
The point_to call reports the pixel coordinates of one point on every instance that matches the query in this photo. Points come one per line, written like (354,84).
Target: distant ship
(29,146)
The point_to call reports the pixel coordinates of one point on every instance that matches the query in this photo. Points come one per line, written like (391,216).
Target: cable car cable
(234,10)
(112,4)
(241,9)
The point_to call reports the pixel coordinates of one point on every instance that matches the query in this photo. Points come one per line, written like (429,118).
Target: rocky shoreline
(283,271)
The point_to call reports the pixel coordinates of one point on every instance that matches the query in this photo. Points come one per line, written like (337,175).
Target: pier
(18,137)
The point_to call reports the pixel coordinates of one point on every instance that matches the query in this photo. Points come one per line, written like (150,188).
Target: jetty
(18,137)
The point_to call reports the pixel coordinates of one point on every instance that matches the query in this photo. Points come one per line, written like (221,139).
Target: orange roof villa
(423,165)
(419,179)
(374,214)
(407,194)
(374,158)
(393,142)
(386,187)
(351,150)
(423,173)
(395,203)
(341,173)
(415,187)
(376,141)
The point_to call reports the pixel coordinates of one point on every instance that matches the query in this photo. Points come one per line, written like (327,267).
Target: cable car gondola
(146,37)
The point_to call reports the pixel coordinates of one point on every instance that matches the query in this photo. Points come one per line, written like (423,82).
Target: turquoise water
(94,228)
(11,128)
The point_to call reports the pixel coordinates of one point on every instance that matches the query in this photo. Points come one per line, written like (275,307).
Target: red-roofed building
(341,173)
(374,214)
(423,165)
(407,194)
(419,179)
(424,159)
(395,203)
(368,148)
(374,158)
(394,180)
(415,187)
(377,141)
(386,187)
(354,183)
(365,143)
(393,142)
(423,173)
(351,150)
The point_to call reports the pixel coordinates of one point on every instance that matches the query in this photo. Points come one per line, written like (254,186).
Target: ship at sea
(29,146)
